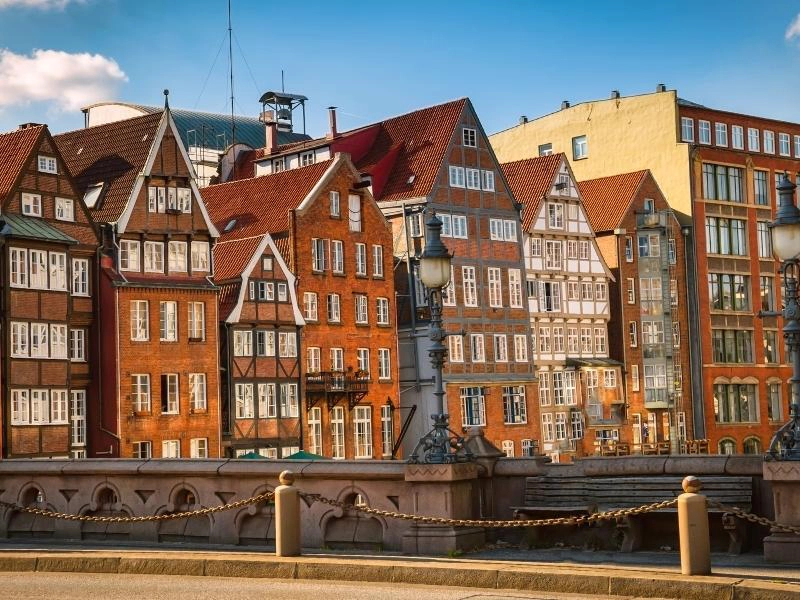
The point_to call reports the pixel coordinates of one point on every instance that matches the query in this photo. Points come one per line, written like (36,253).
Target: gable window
(377,260)
(721,131)
(32,205)
(47,164)
(456,176)
(361,259)
(469,136)
(156,199)
(128,255)
(154,257)
(704,132)
(184,200)
(177,256)
(354,208)
(318,255)
(337,256)
(283,292)
(200,256)
(552,254)
(555,215)
(488,180)
(580,147)
(737,137)
(80,277)
(473,179)
(334,204)
(65,209)
(687,129)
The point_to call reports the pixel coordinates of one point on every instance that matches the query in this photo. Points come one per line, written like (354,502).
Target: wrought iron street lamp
(785,233)
(440,445)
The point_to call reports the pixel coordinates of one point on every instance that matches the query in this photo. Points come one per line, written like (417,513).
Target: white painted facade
(568,299)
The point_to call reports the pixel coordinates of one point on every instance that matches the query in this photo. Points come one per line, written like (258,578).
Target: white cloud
(40,4)
(792,32)
(67,81)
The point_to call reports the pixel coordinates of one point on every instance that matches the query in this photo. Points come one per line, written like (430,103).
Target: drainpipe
(411,296)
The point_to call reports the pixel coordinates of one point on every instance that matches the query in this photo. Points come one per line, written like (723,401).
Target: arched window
(752,445)
(727,446)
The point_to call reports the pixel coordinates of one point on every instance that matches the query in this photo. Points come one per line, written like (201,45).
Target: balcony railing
(336,385)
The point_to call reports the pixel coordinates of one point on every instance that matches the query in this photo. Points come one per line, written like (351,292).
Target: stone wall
(134,487)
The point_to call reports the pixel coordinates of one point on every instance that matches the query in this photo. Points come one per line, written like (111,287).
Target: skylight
(231,224)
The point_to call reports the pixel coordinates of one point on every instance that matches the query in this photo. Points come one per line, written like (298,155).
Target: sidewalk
(644,579)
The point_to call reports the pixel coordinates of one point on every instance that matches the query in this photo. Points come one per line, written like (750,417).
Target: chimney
(523,119)
(614,94)
(661,88)
(27,126)
(332,123)
(564,104)
(272,137)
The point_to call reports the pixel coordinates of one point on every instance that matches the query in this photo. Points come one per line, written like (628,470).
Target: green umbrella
(303,455)
(252,455)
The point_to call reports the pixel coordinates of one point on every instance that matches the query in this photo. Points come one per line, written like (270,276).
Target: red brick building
(735,162)
(48,253)
(259,335)
(643,245)
(158,336)
(338,244)
(439,157)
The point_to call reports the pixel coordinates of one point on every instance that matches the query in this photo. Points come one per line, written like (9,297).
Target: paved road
(80,586)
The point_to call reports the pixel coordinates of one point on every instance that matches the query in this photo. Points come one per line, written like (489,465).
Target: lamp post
(785,234)
(440,445)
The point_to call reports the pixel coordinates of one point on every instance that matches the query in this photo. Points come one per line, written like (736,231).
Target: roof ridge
(260,177)
(110,123)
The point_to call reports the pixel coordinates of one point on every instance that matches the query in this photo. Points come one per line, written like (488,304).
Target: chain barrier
(42,512)
(741,514)
(610,515)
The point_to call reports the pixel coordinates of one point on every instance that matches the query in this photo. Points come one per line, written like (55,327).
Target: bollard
(693,529)
(287,517)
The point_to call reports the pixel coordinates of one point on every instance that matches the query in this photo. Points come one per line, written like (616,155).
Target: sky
(378,59)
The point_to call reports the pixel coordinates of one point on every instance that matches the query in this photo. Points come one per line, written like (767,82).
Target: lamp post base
(440,445)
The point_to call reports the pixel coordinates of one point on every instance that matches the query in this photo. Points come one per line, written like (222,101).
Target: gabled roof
(213,130)
(15,148)
(530,180)
(260,205)
(607,199)
(231,257)
(403,154)
(113,154)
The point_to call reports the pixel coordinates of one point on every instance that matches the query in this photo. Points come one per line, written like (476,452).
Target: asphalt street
(80,586)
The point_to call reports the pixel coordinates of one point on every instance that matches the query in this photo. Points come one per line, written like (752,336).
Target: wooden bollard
(693,529)
(287,517)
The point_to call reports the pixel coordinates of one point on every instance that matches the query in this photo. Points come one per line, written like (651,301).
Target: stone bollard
(693,529)
(287,516)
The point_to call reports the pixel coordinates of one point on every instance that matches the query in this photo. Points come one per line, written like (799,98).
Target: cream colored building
(620,134)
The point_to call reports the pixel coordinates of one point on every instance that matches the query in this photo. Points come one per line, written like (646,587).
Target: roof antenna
(166,99)
(230,60)
(283,87)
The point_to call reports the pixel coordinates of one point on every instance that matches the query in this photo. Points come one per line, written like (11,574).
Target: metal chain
(165,517)
(738,512)
(579,520)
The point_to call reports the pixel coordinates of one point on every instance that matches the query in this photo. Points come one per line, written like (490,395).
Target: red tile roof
(394,150)
(530,180)
(228,298)
(260,205)
(15,148)
(607,199)
(114,153)
(232,256)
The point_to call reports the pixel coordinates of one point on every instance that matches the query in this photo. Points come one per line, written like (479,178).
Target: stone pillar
(784,476)
(442,491)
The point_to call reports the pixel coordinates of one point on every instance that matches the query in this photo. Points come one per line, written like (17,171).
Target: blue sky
(374,60)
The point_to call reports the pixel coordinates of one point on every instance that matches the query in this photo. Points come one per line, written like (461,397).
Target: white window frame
(65,209)
(469,137)
(129,255)
(198,391)
(362,431)
(377,260)
(47,164)
(361,259)
(334,200)
(737,137)
(168,320)
(201,256)
(140,320)
(31,205)
(457,179)
(687,129)
(384,364)
(80,277)
(177,259)
(382,311)
(473,177)
(721,134)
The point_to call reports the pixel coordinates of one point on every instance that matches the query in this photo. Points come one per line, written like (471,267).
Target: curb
(455,573)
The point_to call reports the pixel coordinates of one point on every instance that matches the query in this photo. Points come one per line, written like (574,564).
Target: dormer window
(32,205)
(48,164)
(278,165)
(470,137)
(92,195)
(306,158)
